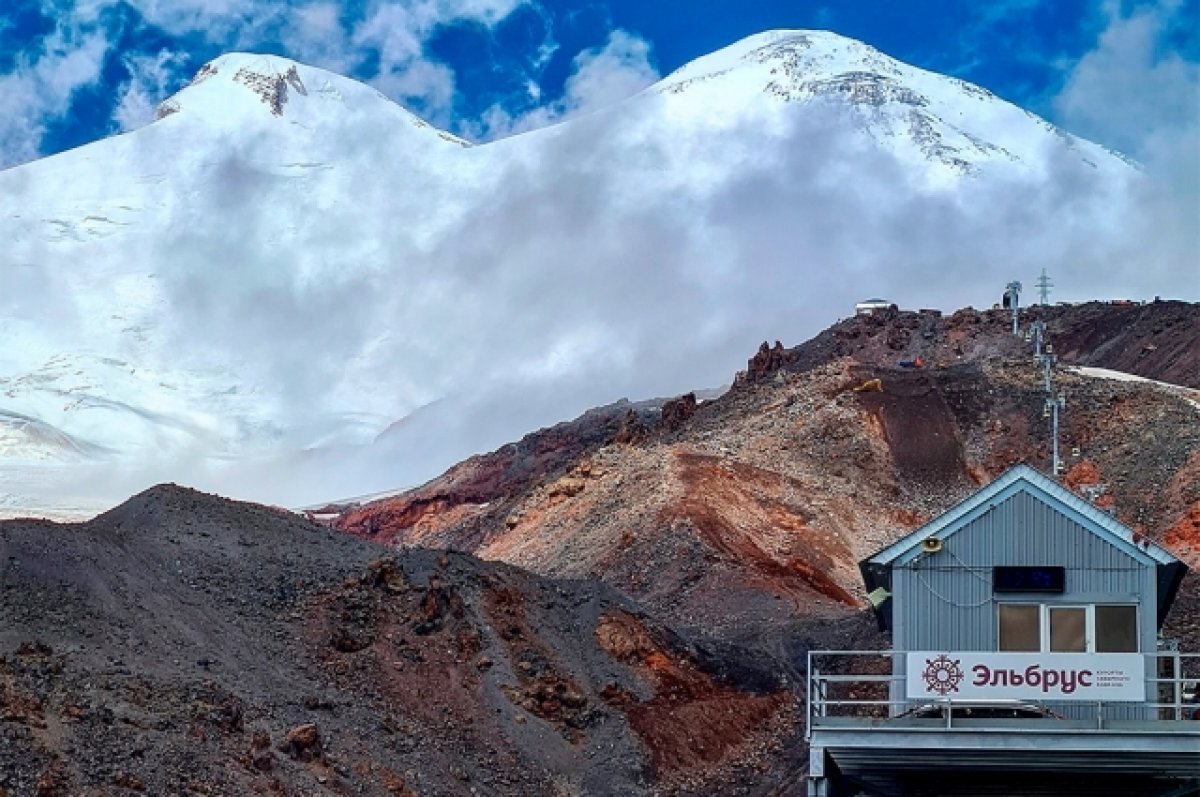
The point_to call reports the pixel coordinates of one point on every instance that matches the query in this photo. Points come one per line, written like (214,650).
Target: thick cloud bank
(295,331)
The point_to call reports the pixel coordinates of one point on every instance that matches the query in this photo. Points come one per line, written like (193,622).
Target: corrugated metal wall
(944,600)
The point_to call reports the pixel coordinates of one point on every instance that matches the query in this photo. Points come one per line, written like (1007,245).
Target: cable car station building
(1025,660)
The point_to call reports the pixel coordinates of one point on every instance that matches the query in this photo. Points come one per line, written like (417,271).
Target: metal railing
(868,684)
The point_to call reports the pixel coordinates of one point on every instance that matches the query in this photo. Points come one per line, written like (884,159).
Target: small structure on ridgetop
(872,306)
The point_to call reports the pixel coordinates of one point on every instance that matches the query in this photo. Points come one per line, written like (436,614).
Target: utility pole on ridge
(1044,284)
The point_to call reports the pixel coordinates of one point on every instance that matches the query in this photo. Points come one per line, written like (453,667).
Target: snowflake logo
(942,675)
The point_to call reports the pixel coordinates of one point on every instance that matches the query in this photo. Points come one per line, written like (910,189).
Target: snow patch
(1188,394)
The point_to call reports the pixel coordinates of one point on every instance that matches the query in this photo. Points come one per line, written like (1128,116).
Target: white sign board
(981,675)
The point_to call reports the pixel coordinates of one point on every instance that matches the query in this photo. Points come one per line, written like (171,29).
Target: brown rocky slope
(186,644)
(743,518)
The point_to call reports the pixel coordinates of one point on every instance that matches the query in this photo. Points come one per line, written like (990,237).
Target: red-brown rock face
(755,507)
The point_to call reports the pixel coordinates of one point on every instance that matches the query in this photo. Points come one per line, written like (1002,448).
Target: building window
(1042,627)
(1020,627)
(1068,629)
(1116,629)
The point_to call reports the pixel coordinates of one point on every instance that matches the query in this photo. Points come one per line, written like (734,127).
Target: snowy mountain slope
(946,125)
(286,263)
(255,137)
(937,128)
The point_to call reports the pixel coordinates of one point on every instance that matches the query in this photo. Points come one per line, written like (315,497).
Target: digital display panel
(1028,579)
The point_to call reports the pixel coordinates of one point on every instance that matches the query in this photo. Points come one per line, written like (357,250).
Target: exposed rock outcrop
(746,515)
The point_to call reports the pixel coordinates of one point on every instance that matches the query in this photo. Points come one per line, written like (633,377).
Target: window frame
(1089,626)
(1089,616)
(1000,605)
(1137,626)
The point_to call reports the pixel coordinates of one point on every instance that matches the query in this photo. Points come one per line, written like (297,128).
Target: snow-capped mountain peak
(822,54)
(238,88)
(267,78)
(922,117)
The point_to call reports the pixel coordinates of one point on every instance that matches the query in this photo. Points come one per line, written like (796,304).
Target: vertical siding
(946,598)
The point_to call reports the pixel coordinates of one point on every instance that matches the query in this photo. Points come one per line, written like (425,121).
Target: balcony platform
(951,754)
(896,756)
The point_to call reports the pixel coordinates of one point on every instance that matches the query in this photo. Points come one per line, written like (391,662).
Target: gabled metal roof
(876,569)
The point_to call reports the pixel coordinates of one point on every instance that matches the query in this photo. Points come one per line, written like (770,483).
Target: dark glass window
(1020,627)
(1116,629)
(1068,629)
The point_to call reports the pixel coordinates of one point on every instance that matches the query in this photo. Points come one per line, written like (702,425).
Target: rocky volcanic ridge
(186,644)
(744,517)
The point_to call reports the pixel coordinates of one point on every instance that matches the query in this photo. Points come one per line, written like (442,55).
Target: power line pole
(1044,284)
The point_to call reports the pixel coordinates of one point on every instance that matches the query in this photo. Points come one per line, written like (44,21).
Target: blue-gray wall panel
(944,600)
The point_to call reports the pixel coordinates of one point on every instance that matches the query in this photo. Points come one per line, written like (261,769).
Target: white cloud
(397,31)
(428,85)
(314,35)
(242,23)
(621,256)
(39,89)
(600,77)
(394,31)
(313,32)
(1129,92)
(1138,96)
(149,81)
(227,21)
(607,75)
(546,49)
(487,12)
(594,268)
(22,118)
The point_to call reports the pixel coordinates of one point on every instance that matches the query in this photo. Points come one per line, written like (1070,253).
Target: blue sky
(72,71)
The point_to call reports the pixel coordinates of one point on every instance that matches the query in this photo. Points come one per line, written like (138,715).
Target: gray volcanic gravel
(186,644)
